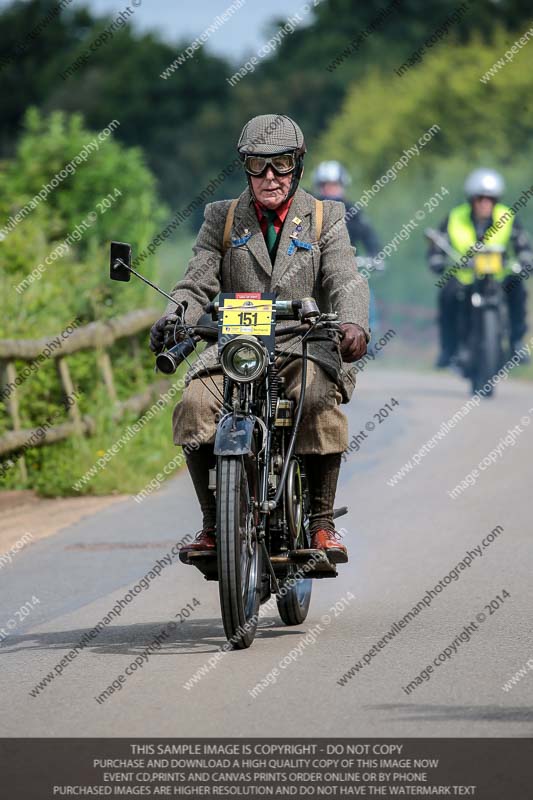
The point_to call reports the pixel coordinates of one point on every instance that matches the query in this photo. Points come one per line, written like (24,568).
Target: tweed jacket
(325,270)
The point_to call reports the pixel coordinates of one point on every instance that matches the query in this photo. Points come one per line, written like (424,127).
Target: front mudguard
(234,435)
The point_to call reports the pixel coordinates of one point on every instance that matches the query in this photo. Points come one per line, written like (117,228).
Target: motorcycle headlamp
(244,359)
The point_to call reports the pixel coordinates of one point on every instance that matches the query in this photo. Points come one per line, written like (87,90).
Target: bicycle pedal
(203,560)
(340,512)
(337,556)
(317,561)
(194,554)
(191,556)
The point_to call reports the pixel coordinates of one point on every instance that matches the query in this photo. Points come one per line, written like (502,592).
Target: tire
(293,606)
(489,350)
(239,570)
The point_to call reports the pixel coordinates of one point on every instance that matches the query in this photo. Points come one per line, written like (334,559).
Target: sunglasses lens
(283,163)
(255,164)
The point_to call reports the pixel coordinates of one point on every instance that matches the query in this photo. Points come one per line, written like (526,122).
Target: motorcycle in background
(483,320)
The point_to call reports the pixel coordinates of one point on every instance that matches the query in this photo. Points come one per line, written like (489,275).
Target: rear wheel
(488,353)
(293,605)
(238,551)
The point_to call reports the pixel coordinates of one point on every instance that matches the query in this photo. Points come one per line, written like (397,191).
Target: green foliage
(480,124)
(477,120)
(121,80)
(187,124)
(361,112)
(56,468)
(53,469)
(75,286)
(76,280)
(111,168)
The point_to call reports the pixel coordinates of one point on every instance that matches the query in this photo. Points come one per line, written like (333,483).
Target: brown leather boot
(204,540)
(329,541)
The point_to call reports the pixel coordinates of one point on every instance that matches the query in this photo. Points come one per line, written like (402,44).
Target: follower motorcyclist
(330,180)
(271,214)
(465,225)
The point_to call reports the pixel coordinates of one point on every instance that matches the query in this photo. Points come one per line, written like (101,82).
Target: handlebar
(306,311)
(169,361)
(285,309)
(440,240)
(306,327)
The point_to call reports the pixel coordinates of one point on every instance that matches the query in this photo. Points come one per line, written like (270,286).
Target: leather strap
(319,212)
(229,222)
(319,218)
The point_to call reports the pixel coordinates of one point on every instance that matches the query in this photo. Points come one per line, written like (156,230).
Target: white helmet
(330,172)
(486,183)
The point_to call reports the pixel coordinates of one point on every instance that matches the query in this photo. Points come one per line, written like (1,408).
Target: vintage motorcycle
(262,497)
(484,331)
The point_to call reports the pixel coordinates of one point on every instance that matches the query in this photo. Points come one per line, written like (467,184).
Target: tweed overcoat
(304,267)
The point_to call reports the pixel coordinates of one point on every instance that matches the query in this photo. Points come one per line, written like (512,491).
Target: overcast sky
(176,20)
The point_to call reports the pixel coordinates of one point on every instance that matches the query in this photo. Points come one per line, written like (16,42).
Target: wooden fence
(97,336)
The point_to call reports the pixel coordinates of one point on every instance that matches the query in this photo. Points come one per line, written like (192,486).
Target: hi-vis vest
(462,233)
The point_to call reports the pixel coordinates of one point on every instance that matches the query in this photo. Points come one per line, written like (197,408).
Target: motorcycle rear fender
(234,435)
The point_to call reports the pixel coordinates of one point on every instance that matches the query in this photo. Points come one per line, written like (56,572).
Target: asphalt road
(402,541)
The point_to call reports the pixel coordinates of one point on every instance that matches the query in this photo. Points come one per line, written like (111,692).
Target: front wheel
(488,353)
(238,551)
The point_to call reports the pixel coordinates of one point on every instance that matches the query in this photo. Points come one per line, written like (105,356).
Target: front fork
(235,434)
(474,300)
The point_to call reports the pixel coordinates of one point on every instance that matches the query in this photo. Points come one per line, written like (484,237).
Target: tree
(76,280)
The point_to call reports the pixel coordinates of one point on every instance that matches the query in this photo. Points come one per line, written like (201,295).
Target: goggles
(281,164)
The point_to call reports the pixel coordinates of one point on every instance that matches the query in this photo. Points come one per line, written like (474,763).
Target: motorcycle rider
(262,258)
(465,225)
(330,180)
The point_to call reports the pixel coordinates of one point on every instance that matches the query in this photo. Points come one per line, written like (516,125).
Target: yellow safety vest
(462,235)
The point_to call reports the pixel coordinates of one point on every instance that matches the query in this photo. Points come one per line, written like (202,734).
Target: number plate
(246,315)
(488,263)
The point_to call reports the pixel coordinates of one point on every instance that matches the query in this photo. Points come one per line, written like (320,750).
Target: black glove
(162,331)
(353,344)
